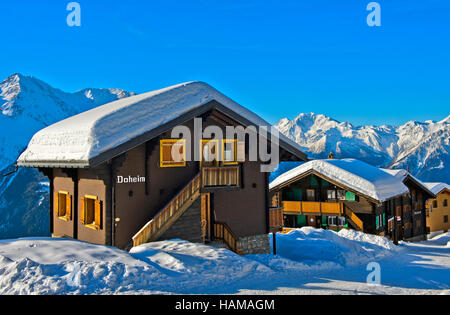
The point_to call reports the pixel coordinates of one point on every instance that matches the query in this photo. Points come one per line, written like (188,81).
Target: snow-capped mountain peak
(28,104)
(421,146)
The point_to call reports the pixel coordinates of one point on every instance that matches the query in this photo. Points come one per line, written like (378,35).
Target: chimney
(331,156)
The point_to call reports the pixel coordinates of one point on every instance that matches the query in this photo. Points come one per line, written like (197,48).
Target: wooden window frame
(98,209)
(166,164)
(214,163)
(333,193)
(67,216)
(234,142)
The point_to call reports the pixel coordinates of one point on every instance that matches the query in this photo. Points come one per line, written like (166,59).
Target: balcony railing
(221,177)
(313,208)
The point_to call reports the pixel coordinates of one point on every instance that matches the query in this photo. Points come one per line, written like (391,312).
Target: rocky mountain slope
(26,106)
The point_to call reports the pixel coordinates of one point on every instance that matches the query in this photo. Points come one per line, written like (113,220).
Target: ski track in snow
(309,261)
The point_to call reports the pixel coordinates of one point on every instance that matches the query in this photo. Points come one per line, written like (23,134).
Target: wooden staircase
(353,219)
(222,232)
(169,214)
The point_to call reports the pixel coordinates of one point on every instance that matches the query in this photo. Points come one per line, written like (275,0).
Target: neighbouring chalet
(337,194)
(113,179)
(438,209)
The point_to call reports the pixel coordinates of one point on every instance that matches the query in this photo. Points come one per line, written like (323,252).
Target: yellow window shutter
(241,151)
(98,213)
(69,207)
(166,153)
(83,210)
(56,204)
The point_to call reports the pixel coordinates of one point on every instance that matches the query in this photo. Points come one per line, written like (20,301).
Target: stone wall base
(257,244)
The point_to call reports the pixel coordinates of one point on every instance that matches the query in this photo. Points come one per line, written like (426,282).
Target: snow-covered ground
(309,261)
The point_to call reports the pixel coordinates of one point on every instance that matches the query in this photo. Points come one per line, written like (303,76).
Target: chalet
(337,194)
(438,209)
(114,179)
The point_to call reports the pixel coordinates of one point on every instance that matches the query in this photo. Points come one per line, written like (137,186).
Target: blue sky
(278,58)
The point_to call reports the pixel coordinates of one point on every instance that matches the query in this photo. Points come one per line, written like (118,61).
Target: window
(349,196)
(332,221)
(379,221)
(435,204)
(331,194)
(91,212)
(63,205)
(209,152)
(310,195)
(445,203)
(342,221)
(445,218)
(341,194)
(230,152)
(173,153)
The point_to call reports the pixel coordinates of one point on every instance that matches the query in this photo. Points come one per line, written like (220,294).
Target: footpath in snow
(309,261)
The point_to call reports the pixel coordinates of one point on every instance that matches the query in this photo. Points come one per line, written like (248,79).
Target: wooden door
(206,217)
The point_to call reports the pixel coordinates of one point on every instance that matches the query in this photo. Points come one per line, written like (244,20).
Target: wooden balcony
(313,208)
(221,177)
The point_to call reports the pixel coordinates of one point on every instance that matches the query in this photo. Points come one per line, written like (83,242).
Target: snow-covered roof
(79,139)
(404,174)
(353,174)
(436,188)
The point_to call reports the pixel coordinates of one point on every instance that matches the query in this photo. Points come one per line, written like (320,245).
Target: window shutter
(166,147)
(166,153)
(69,207)
(56,204)
(83,210)
(98,213)
(241,151)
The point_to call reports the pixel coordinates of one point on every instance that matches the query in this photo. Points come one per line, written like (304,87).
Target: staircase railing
(276,217)
(169,214)
(223,233)
(354,218)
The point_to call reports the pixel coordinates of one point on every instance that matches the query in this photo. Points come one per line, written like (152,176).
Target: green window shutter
(290,196)
(325,183)
(349,196)
(301,220)
(297,195)
(314,181)
(324,221)
(377,222)
(384,219)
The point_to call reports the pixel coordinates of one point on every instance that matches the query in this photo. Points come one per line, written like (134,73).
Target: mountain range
(421,147)
(28,104)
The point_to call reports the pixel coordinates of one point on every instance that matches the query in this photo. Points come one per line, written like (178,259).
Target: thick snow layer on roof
(402,174)
(354,174)
(436,188)
(83,137)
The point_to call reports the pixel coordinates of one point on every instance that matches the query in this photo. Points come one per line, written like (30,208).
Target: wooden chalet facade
(135,192)
(438,209)
(311,198)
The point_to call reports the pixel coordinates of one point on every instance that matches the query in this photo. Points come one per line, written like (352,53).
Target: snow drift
(54,266)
